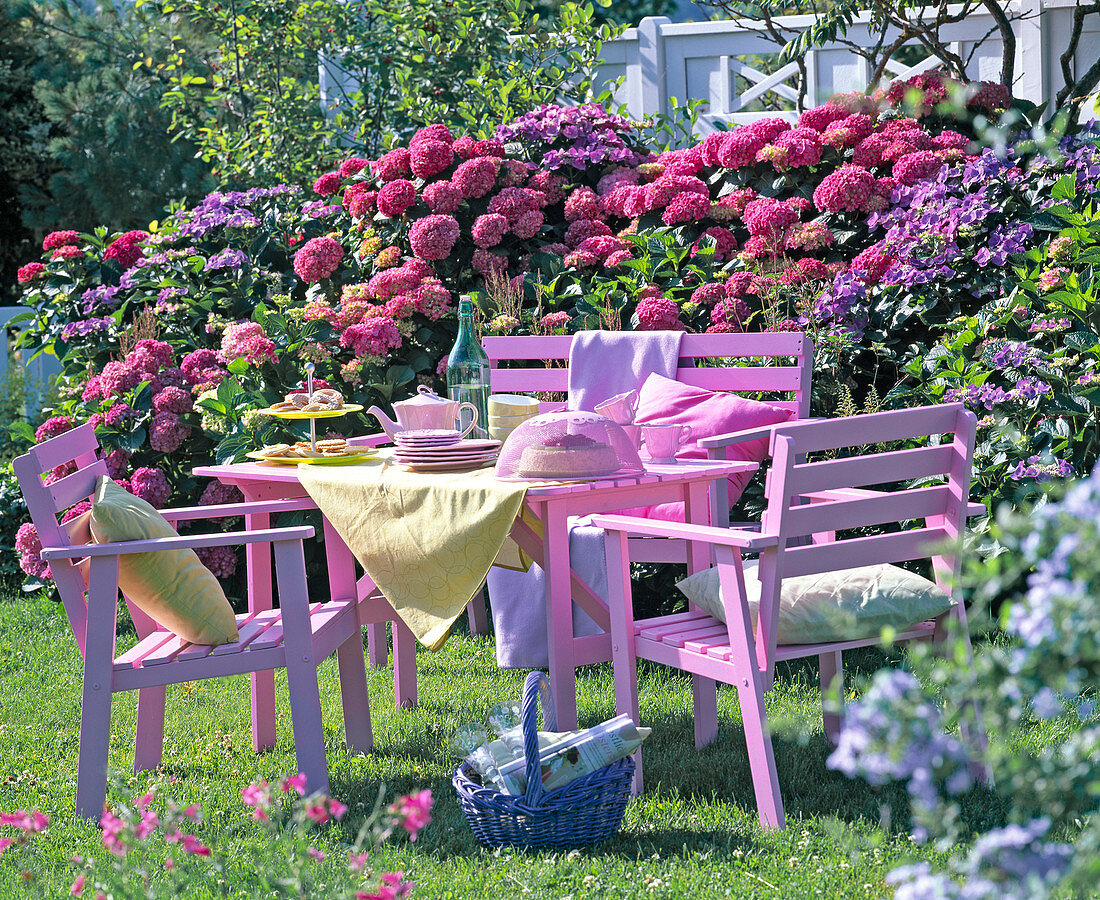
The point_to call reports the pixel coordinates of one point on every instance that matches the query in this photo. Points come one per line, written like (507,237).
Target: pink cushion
(709,413)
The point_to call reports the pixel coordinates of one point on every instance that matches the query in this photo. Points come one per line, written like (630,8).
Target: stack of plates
(449,457)
(423,438)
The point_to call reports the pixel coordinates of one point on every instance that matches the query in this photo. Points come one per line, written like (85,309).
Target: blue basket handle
(535,685)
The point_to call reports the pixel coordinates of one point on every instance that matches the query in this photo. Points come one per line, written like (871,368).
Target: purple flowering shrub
(1041,687)
(1021,348)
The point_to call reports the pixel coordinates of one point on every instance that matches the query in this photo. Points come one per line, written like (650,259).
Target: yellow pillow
(171,586)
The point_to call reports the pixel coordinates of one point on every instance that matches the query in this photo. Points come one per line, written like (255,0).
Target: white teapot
(425,410)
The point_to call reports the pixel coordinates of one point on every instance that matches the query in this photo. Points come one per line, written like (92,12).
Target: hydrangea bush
(1045,676)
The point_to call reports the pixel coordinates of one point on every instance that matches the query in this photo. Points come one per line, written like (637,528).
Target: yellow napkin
(426,539)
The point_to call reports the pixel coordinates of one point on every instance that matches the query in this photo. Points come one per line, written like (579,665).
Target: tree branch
(1008,40)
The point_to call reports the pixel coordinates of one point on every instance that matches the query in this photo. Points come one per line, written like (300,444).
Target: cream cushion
(173,587)
(848,604)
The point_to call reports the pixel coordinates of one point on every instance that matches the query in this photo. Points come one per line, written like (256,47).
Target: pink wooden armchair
(804,499)
(297,637)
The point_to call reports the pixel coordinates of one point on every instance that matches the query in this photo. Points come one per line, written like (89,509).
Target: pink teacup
(619,408)
(662,441)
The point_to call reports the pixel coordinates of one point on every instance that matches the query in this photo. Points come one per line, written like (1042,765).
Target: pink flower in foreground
(151,485)
(528,224)
(353,165)
(442,197)
(194,846)
(59,239)
(413,812)
(393,887)
(436,132)
(429,158)
(111,828)
(821,117)
(396,197)
(582,204)
(848,188)
(318,258)
(489,229)
(78,886)
(394,164)
(247,340)
(476,177)
(52,427)
(433,237)
(296,783)
(658,314)
(328,184)
(29,272)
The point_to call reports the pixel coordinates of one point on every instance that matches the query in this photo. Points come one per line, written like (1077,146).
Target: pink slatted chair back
(942,463)
(747,363)
(47,503)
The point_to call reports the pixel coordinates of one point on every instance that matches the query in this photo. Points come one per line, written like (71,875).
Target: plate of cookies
(321,404)
(333,452)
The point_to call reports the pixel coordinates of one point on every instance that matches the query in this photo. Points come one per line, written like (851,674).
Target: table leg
(704,691)
(404,664)
(559,614)
(378,645)
(258,565)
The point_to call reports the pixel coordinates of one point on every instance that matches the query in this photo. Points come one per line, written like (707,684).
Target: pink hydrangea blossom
(222,561)
(118,462)
(387,258)
(725,244)
(762,246)
(658,314)
(582,204)
(247,340)
(914,167)
(485,262)
(359,199)
(951,140)
(29,548)
(730,311)
(808,236)
(555,320)
(67,253)
(442,197)
(686,207)
(117,378)
(514,172)
(391,282)
(400,307)
(769,217)
(327,185)
(29,272)
(167,432)
(618,258)
(434,236)
(740,284)
(396,197)
(57,239)
(869,151)
(217,493)
(489,229)
(374,337)
(550,184)
(436,132)
(150,356)
(126,248)
(476,177)
(318,258)
(848,188)
(583,229)
(488,147)
(624,200)
(513,202)
(870,265)
(151,485)
(821,117)
(392,165)
(769,129)
(660,193)
(52,427)
(708,294)
(430,157)
(353,165)
(738,148)
(603,245)
(582,259)
(202,369)
(528,225)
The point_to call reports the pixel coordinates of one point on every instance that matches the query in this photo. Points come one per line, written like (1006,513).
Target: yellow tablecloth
(427,540)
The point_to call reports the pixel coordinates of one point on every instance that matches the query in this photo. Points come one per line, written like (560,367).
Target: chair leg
(704,695)
(149,732)
(624,661)
(765,778)
(355,699)
(404,665)
(263,710)
(475,611)
(831,667)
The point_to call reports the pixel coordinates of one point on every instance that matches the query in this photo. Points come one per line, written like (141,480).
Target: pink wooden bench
(838,499)
(298,636)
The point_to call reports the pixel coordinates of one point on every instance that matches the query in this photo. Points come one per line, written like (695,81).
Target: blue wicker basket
(582,813)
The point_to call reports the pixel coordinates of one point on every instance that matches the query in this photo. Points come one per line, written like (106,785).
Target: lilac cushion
(709,413)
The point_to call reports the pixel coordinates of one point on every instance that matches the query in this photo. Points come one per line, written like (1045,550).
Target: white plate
(441,457)
(445,466)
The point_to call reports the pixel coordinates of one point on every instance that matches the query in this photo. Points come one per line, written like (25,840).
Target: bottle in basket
(468,371)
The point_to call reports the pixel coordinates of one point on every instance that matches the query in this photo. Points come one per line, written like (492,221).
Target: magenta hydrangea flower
(442,197)
(799,147)
(401,307)
(434,236)
(430,157)
(327,185)
(618,258)
(767,217)
(914,167)
(120,415)
(489,229)
(513,202)
(769,129)
(951,140)
(396,197)
(126,248)
(67,253)
(808,236)
(485,262)
(118,462)
(202,369)
(29,272)
(582,259)
(374,337)
(582,204)
(528,225)
(151,485)
(476,177)
(708,294)
(150,356)
(551,185)
(848,188)
(52,427)
(436,132)
(247,340)
(117,378)
(740,284)
(222,561)
(392,165)
(29,548)
(391,282)
(57,239)
(738,148)
(353,165)
(583,229)
(555,320)
(318,258)
(871,265)
(730,311)
(432,298)
(821,117)
(869,151)
(657,313)
(217,493)
(167,432)
(725,244)
(359,199)
(603,245)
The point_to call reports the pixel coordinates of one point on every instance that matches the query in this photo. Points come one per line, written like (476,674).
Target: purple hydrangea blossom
(105,296)
(843,305)
(319,209)
(227,209)
(575,136)
(229,258)
(85,327)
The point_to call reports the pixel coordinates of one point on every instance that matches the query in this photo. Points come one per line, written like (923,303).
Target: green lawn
(693,832)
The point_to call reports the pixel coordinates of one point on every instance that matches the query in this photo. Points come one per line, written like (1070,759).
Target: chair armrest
(224,510)
(190,541)
(730,537)
(746,434)
(975,509)
(972,508)
(370,440)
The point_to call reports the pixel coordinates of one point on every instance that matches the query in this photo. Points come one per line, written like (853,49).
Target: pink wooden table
(551,504)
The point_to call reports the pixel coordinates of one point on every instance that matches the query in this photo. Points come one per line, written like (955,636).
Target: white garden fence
(38,373)
(716,61)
